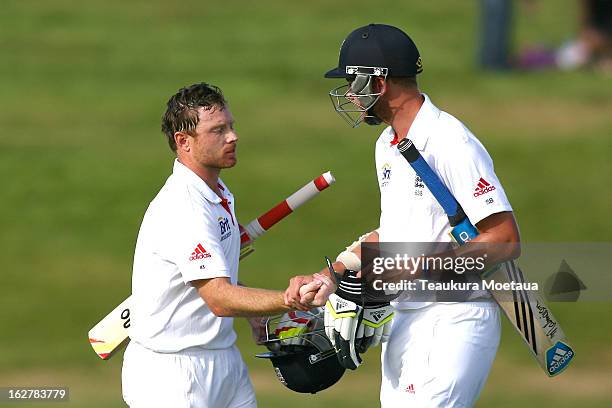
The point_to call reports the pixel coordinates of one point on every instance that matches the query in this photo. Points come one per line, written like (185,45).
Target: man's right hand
(317,292)
(292,296)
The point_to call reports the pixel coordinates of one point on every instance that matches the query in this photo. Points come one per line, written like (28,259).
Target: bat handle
(245,237)
(464,232)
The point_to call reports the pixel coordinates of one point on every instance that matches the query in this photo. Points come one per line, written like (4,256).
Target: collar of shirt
(419,129)
(197,183)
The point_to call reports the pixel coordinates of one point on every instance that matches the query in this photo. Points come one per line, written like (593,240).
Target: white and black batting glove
(351,326)
(343,316)
(375,326)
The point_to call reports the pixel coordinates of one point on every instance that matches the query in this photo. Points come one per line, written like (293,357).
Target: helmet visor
(354,101)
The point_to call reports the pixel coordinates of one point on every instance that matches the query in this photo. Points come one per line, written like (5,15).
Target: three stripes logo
(410,389)
(558,357)
(341,304)
(378,315)
(483,187)
(523,312)
(199,253)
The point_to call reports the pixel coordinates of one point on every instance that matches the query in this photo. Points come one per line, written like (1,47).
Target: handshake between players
(352,323)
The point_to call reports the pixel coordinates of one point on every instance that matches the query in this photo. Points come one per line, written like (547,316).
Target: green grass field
(83,86)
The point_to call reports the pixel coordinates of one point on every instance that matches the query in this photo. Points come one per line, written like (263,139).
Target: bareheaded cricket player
(185,289)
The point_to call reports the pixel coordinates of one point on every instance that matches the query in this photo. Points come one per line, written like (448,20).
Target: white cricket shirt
(187,233)
(409,212)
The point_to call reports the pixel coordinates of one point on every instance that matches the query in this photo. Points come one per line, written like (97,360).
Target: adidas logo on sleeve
(199,253)
(483,187)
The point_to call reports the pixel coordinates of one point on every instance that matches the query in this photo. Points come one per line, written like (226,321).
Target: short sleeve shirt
(188,233)
(409,212)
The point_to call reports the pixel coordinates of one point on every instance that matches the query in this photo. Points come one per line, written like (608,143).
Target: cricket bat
(526,310)
(110,334)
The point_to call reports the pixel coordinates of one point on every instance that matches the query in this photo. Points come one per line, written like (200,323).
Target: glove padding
(351,326)
(375,326)
(342,318)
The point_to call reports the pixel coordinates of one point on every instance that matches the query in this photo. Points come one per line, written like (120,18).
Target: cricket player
(437,354)
(185,287)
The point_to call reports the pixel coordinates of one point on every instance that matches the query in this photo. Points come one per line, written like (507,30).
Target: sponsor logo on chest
(224,228)
(385,175)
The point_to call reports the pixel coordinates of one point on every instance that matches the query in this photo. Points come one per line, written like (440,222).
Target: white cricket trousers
(440,355)
(191,378)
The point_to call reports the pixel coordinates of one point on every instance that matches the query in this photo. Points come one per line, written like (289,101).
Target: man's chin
(229,163)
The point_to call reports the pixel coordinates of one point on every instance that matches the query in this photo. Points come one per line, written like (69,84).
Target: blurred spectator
(495,34)
(591,47)
(594,41)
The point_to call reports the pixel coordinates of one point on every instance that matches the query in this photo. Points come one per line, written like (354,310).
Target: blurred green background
(83,85)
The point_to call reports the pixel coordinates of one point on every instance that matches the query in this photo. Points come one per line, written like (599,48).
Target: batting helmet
(303,357)
(375,50)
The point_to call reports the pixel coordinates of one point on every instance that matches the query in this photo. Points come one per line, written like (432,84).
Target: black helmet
(375,50)
(378,46)
(303,357)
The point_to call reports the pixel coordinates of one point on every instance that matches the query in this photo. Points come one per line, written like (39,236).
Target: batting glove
(351,326)
(342,320)
(375,326)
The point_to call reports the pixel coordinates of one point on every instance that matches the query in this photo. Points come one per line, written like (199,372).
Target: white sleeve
(196,249)
(467,170)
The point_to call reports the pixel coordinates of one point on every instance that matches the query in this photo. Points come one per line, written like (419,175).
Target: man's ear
(183,141)
(381,85)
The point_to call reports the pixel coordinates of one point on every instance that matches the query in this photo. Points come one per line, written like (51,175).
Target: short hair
(182,109)
(406,82)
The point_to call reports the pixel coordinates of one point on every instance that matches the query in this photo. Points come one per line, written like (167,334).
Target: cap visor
(272,354)
(335,73)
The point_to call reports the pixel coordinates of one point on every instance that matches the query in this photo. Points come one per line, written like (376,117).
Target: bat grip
(464,232)
(261,224)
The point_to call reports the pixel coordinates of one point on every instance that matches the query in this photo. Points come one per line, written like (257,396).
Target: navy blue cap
(379,45)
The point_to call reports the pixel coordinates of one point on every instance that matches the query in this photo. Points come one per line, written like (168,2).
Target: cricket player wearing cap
(436,354)
(185,278)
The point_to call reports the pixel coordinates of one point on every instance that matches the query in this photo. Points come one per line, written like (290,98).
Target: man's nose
(232,136)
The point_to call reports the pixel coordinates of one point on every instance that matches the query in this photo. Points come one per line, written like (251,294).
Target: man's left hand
(258,329)
(291,296)
(316,293)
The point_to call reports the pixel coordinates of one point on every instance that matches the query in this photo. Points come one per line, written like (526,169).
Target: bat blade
(532,319)
(110,334)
